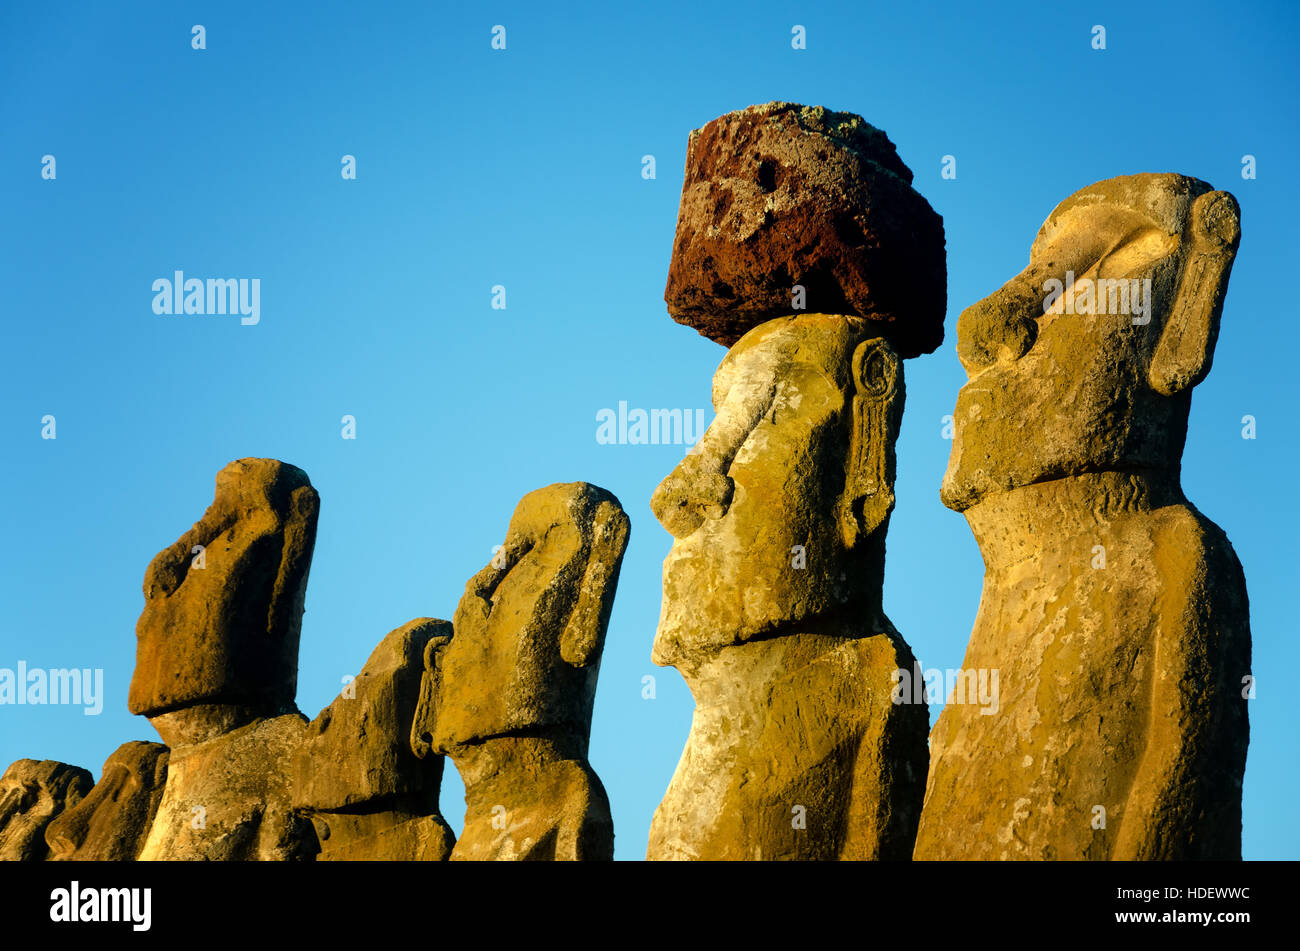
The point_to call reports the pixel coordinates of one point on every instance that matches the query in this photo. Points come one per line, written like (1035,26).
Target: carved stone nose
(691,493)
(1002,326)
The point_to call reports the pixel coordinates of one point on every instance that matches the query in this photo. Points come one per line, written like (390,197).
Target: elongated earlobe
(582,640)
(1182,357)
(874,418)
(295,557)
(426,707)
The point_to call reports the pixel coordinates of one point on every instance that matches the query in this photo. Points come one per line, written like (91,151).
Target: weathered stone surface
(509,695)
(356,776)
(1115,613)
(796,751)
(32,794)
(403,831)
(780,195)
(111,823)
(229,798)
(532,798)
(772,608)
(217,643)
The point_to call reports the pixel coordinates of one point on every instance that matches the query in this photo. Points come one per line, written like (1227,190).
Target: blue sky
(522,168)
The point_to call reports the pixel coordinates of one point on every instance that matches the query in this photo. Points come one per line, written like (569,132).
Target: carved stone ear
(583,636)
(1186,348)
(295,558)
(875,369)
(422,725)
(433,648)
(874,415)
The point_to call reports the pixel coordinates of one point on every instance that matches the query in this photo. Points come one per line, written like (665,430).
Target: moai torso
(1110,684)
(796,751)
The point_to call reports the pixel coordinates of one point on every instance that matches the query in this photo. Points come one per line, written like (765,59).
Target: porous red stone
(780,195)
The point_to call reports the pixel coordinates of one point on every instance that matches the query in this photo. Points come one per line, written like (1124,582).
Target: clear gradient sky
(523,168)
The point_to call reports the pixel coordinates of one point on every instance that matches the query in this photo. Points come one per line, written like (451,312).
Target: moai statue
(217,669)
(356,777)
(772,589)
(32,794)
(111,823)
(509,695)
(1114,612)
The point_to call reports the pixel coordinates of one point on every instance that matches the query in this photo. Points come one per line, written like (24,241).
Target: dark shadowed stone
(367,793)
(32,794)
(111,823)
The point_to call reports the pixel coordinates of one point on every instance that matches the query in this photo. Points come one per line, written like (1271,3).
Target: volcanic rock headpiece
(779,197)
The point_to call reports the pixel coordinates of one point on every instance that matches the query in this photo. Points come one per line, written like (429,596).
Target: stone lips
(782,194)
